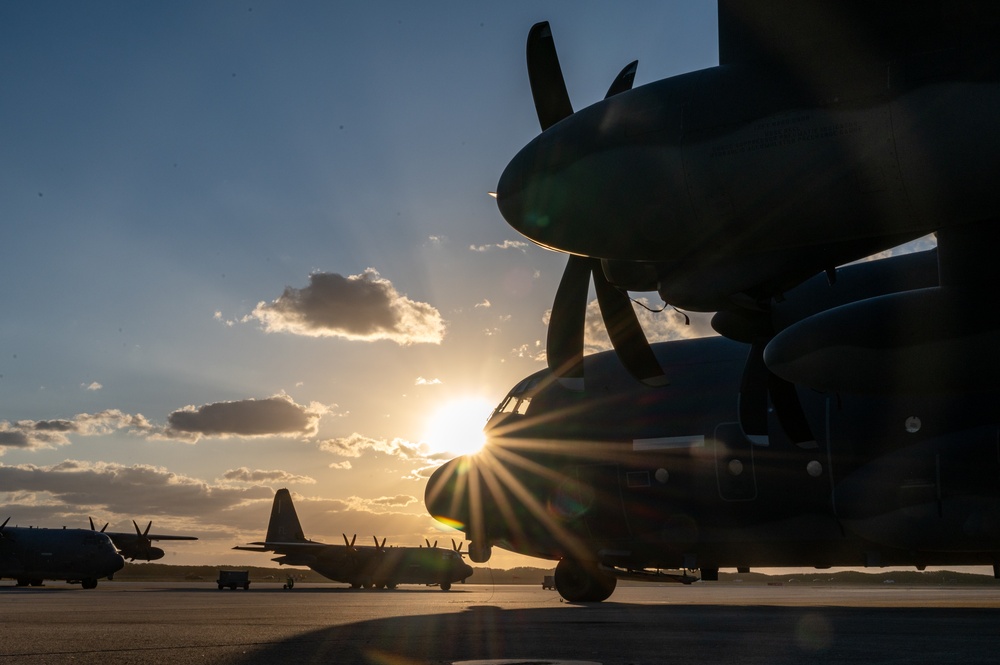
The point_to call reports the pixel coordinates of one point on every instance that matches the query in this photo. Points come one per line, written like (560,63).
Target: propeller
(142,534)
(379,546)
(93,528)
(564,341)
(427,540)
(457,546)
(142,547)
(350,544)
(2,526)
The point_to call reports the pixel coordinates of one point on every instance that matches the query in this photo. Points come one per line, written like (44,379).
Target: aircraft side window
(522,405)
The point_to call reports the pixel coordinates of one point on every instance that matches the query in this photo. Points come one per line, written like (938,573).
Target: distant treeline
(158,572)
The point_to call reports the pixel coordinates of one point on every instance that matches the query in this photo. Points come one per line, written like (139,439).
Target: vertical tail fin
(284,526)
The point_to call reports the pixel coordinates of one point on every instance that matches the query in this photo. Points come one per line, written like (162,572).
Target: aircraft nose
(446,496)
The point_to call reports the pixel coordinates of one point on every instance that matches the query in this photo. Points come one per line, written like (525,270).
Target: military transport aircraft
(360,566)
(847,415)
(138,545)
(31,555)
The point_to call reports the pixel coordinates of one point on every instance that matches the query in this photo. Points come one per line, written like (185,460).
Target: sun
(457,425)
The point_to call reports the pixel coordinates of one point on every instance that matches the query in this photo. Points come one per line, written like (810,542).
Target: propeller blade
(624,79)
(788,408)
(564,338)
(148,526)
(753,396)
(92,527)
(757,384)
(548,88)
(625,332)
(4,524)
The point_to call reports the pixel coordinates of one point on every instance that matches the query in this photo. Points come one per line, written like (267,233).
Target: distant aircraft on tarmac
(360,566)
(847,415)
(138,545)
(32,555)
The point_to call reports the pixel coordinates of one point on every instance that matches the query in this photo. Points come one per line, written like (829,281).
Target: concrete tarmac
(123,622)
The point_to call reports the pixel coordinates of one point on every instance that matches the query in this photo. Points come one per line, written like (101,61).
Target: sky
(250,245)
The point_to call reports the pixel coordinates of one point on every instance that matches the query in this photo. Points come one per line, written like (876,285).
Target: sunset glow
(457,426)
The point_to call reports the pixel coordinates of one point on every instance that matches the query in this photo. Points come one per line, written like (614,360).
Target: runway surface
(122,622)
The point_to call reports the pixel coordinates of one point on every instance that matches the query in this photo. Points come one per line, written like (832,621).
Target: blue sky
(249,245)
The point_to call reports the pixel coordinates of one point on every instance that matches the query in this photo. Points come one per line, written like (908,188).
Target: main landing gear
(583,581)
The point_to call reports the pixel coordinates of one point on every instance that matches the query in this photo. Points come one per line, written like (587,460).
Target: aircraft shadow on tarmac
(622,633)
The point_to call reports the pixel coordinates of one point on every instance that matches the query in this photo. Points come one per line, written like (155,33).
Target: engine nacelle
(147,553)
(933,340)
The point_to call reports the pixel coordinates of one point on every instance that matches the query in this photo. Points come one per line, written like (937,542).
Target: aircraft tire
(446,586)
(89,583)
(583,582)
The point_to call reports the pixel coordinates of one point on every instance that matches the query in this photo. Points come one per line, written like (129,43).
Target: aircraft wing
(124,539)
(806,38)
(289,547)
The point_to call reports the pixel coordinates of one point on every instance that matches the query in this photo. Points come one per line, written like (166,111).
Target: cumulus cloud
(362,307)
(273,416)
(139,489)
(382,503)
(659,326)
(40,434)
(357,445)
(261,476)
(506,244)
(421,381)
(94,385)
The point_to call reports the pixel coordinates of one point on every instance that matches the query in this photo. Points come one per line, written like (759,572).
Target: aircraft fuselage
(31,555)
(888,481)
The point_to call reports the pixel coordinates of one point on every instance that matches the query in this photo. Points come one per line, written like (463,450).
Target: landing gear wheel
(445,586)
(583,581)
(89,583)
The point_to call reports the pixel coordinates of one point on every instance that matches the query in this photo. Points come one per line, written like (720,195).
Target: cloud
(357,445)
(919,245)
(42,434)
(138,490)
(382,503)
(273,416)
(485,304)
(261,476)
(362,307)
(506,244)
(659,326)
(421,381)
(92,386)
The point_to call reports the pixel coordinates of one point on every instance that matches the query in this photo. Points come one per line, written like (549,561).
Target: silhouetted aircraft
(360,566)
(138,545)
(847,416)
(32,555)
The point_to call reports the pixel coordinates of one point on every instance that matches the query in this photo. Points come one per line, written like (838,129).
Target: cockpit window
(519,397)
